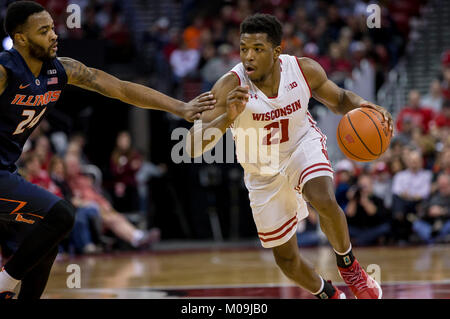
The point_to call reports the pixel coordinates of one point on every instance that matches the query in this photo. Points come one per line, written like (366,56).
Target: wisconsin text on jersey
(274,114)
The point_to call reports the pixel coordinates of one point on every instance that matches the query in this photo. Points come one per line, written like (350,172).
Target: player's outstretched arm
(3,79)
(132,93)
(338,100)
(231,100)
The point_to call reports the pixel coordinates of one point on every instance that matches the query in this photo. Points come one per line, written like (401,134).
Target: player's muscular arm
(3,79)
(231,99)
(338,100)
(132,93)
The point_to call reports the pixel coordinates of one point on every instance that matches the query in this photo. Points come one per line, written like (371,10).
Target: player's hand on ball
(236,101)
(192,110)
(386,115)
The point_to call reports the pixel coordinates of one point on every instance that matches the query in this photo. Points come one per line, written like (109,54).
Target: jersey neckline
(279,85)
(27,68)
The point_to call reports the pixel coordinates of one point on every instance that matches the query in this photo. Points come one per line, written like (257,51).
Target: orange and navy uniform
(25,101)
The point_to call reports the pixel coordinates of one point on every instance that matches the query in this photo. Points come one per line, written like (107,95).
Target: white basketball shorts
(276,201)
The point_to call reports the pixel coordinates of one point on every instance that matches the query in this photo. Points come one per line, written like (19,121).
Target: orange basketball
(363,135)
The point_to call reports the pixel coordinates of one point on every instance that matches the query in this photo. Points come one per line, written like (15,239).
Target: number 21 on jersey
(274,128)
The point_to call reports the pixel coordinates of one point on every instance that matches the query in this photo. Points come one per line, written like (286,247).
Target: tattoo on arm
(80,75)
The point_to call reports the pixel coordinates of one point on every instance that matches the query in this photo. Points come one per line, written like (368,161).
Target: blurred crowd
(58,164)
(333,33)
(100,20)
(404,196)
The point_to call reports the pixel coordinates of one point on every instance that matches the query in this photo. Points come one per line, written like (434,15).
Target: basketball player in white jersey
(268,93)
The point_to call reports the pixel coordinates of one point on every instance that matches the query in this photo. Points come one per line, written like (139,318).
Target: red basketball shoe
(361,284)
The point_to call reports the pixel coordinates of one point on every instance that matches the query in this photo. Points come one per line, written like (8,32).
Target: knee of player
(65,214)
(286,262)
(322,201)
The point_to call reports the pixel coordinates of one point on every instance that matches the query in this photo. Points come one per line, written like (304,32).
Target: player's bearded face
(41,37)
(257,55)
(40,52)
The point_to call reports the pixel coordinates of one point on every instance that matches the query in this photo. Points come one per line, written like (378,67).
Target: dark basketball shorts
(22,202)
(22,205)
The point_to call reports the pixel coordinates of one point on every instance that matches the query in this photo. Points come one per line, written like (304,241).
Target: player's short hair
(18,13)
(264,23)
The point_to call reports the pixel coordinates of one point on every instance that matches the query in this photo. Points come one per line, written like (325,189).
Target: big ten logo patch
(291,86)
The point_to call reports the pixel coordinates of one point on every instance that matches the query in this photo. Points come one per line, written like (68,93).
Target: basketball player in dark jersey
(31,81)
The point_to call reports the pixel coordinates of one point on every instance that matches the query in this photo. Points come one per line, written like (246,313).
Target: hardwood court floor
(405,272)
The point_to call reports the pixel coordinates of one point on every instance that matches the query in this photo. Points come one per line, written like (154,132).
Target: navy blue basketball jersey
(25,101)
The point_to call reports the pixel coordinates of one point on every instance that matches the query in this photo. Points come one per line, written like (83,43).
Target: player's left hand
(386,115)
(192,110)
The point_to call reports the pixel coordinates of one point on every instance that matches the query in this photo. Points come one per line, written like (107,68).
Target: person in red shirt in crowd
(442,119)
(83,188)
(34,173)
(43,150)
(125,163)
(420,117)
(446,74)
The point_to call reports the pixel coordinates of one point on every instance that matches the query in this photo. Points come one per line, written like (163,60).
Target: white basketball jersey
(279,122)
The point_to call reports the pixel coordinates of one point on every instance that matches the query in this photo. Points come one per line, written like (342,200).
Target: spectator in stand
(382,183)
(409,187)
(433,99)
(367,216)
(125,162)
(75,147)
(339,68)
(174,39)
(219,65)
(441,166)
(241,11)
(192,34)
(86,231)
(442,119)
(345,173)
(434,223)
(308,230)
(290,39)
(35,174)
(118,36)
(445,84)
(405,136)
(363,73)
(83,188)
(43,150)
(184,62)
(420,117)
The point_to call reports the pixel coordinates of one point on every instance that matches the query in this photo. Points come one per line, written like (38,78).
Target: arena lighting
(7,43)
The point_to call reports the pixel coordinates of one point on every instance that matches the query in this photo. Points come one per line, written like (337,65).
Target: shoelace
(355,278)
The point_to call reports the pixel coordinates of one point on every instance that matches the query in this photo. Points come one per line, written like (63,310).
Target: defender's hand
(192,110)
(236,101)
(386,115)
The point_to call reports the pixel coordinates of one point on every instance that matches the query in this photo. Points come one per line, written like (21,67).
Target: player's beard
(39,52)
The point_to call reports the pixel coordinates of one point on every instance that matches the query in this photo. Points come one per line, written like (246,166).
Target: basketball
(363,135)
